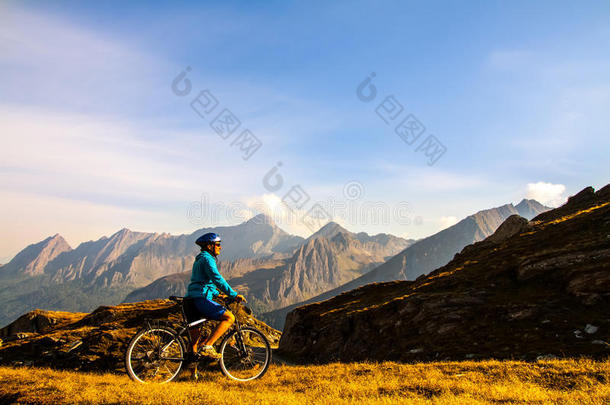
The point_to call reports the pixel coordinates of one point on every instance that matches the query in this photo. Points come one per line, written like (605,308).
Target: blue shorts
(197,308)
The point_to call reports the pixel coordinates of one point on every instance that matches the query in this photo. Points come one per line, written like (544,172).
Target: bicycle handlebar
(229,301)
(247,309)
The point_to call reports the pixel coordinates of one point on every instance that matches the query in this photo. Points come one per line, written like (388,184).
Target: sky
(385,116)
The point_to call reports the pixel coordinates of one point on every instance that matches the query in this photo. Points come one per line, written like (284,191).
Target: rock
(600,342)
(417,350)
(578,334)
(513,225)
(544,357)
(39,321)
(591,329)
(522,314)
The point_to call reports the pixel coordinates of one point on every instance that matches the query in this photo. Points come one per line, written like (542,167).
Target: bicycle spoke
(155,355)
(245,358)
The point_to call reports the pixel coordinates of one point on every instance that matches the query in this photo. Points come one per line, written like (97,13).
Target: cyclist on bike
(199,300)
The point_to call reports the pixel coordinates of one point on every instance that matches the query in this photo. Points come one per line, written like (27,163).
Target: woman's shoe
(209,351)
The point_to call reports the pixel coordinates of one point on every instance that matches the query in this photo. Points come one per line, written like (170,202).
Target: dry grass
(489,382)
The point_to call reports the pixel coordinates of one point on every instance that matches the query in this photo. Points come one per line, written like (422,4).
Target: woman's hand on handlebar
(240,298)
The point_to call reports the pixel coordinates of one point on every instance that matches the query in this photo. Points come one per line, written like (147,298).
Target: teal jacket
(205,278)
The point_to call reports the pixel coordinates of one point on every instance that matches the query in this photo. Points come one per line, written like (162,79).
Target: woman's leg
(194,337)
(226,320)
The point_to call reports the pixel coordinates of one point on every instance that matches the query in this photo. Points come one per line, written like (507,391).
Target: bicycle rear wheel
(155,355)
(246,354)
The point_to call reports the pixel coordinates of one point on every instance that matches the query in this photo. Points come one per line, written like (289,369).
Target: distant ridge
(138,258)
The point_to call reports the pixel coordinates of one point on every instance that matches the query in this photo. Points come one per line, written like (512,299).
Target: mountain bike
(157,352)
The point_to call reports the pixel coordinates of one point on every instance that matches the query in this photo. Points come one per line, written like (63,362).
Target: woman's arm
(218,279)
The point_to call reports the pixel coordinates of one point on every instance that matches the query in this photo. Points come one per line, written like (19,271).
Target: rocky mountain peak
(33,259)
(530,208)
(329,230)
(261,219)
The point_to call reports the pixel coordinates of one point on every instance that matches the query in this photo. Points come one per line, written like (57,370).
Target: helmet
(207,238)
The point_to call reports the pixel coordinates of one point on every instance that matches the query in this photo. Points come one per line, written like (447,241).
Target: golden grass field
(486,382)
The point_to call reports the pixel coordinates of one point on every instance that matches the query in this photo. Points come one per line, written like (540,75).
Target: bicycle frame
(185,327)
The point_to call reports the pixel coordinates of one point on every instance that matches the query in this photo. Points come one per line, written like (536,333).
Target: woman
(199,300)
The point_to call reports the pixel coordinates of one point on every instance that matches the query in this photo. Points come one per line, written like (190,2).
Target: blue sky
(93,139)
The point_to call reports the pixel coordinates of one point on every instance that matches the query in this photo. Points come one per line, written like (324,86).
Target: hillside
(538,288)
(90,342)
(426,254)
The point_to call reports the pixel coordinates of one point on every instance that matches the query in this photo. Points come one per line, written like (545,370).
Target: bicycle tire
(250,365)
(155,354)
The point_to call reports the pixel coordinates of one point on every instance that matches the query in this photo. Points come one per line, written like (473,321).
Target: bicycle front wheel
(155,355)
(246,354)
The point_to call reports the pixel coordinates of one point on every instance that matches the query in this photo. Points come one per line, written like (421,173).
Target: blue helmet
(207,238)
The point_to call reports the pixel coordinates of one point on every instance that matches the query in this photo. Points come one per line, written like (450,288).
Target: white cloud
(287,219)
(446,222)
(547,193)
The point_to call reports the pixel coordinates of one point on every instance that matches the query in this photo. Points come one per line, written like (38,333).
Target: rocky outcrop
(39,321)
(533,290)
(95,341)
(514,225)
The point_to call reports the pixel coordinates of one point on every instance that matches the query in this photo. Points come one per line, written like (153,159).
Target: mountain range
(273,269)
(139,258)
(52,275)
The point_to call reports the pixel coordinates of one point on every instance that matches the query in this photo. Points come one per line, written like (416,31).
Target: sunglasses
(216,243)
